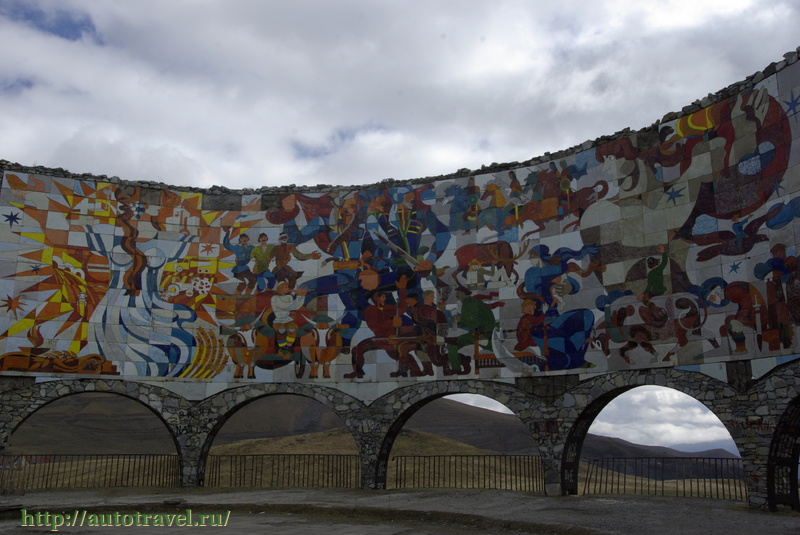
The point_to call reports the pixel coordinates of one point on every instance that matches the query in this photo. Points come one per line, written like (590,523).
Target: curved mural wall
(672,246)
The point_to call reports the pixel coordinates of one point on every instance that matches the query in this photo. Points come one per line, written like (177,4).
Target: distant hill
(339,442)
(92,423)
(727,445)
(487,430)
(277,416)
(596,447)
(106,423)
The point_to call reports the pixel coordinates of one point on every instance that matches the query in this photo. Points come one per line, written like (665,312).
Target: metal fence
(283,470)
(667,476)
(506,472)
(20,473)
(673,476)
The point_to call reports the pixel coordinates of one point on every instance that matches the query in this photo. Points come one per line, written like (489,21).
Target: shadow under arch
(429,392)
(782,463)
(262,393)
(95,386)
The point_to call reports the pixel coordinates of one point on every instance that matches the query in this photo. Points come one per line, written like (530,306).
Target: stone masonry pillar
(368,433)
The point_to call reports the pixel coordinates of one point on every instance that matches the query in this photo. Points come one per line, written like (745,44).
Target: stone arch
(212,413)
(21,403)
(769,425)
(570,464)
(401,404)
(784,454)
(592,396)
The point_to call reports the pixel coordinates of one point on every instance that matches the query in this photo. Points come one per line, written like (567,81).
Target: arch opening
(90,440)
(653,440)
(282,440)
(93,423)
(463,441)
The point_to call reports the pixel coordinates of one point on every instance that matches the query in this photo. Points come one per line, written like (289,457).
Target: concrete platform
(407,512)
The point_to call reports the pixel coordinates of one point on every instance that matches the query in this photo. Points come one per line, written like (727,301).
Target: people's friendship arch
(669,249)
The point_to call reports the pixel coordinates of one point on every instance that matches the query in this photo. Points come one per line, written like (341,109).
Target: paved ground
(407,512)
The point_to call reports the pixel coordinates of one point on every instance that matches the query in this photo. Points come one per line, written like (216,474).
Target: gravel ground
(407,512)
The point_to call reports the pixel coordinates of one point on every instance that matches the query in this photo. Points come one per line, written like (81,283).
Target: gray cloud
(252,93)
(649,415)
(659,416)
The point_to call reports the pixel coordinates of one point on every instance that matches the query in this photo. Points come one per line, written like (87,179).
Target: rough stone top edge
(788,59)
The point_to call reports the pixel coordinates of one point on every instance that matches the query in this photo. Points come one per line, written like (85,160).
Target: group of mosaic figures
(419,334)
(382,280)
(261,277)
(294,326)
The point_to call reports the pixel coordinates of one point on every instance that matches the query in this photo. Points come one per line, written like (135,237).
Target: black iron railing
(667,476)
(283,470)
(507,472)
(19,473)
(673,476)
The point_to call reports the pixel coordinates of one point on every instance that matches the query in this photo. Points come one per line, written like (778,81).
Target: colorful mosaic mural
(672,246)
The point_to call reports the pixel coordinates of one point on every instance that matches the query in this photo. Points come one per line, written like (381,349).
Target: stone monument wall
(672,246)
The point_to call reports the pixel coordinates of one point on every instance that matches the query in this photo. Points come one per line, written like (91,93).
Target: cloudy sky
(248,93)
(650,415)
(659,416)
(251,93)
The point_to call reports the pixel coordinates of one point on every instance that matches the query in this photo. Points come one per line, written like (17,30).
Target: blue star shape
(11,219)
(673,195)
(735,267)
(792,105)
(36,267)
